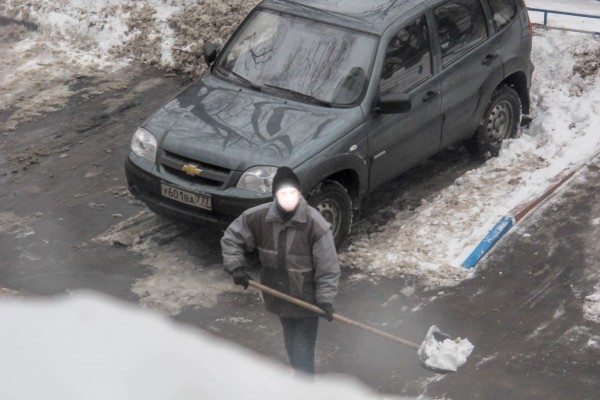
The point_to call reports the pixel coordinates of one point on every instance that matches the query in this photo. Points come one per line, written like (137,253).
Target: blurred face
(288,198)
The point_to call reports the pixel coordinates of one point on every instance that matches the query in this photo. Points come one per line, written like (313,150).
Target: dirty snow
(70,347)
(12,224)
(82,39)
(178,280)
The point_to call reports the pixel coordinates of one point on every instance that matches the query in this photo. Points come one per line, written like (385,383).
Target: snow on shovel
(438,353)
(441,354)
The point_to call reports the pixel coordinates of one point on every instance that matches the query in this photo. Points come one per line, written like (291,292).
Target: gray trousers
(300,336)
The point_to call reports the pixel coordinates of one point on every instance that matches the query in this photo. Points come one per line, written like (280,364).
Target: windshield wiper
(242,79)
(303,96)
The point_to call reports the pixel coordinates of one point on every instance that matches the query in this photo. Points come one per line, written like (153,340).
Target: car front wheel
(332,200)
(500,121)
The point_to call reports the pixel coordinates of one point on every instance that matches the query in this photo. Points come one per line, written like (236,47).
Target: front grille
(212,175)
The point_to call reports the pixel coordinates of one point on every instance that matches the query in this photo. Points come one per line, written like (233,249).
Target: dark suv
(349,94)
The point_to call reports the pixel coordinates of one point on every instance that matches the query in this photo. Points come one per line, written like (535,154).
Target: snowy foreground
(88,346)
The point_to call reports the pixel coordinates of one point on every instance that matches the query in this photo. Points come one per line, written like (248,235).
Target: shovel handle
(336,316)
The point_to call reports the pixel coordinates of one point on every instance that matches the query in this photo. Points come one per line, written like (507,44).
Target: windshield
(302,58)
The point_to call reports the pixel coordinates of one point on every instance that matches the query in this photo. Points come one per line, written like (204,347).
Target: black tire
(332,200)
(500,121)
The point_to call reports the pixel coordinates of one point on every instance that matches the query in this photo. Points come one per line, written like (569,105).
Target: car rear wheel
(332,200)
(500,121)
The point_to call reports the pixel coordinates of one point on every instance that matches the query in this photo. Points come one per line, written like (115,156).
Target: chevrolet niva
(349,94)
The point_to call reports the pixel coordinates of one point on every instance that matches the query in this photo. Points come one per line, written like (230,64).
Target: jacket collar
(299,218)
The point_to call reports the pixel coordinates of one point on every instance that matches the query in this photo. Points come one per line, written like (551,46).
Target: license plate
(189,198)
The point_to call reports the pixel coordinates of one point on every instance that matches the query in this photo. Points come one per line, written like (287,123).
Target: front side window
(504,11)
(298,57)
(408,58)
(461,25)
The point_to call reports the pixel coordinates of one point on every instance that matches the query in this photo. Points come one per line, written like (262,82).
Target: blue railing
(546,12)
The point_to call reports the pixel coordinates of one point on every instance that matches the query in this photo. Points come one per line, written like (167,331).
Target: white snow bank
(88,346)
(440,234)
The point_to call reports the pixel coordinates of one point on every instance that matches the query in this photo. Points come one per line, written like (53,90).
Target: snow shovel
(437,353)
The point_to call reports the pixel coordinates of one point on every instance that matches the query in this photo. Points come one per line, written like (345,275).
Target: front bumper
(226,205)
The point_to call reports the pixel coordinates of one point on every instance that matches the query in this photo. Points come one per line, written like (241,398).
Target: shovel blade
(440,354)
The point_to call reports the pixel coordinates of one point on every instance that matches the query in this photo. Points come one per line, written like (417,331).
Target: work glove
(328,311)
(240,277)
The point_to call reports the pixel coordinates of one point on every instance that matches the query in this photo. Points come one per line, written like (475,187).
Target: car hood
(219,123)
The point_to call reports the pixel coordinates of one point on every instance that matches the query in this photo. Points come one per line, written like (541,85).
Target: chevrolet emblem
(191,169)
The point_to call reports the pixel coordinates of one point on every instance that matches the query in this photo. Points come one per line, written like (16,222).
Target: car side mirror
(210,52)
(394,103)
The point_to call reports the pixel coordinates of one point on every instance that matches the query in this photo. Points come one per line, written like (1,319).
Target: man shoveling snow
(263,227)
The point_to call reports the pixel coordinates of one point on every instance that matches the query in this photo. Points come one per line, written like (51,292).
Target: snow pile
(446,355)
(438,236)
(212,20)
(80,38)
(146,30)
(92,347)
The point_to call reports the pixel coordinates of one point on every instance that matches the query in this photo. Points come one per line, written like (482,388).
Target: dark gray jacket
(298,257)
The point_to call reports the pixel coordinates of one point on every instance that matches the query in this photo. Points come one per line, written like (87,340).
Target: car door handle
(489,58)
(430,95)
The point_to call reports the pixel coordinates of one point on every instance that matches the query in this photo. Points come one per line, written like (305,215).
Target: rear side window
(407,59)
(461,25)
(504,11)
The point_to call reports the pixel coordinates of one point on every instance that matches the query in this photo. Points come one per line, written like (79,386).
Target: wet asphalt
(62,184)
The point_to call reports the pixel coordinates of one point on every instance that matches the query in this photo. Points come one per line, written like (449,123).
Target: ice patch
(235,320)
(12,224)
(487,359)
(538,330)
(4,292)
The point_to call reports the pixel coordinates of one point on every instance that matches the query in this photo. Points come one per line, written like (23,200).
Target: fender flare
(329,166)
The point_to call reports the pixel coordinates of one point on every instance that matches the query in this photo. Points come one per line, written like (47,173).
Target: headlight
(143,144)
(258,179)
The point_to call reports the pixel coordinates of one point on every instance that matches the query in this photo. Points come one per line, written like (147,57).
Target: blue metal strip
(501,228)
(571,14)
